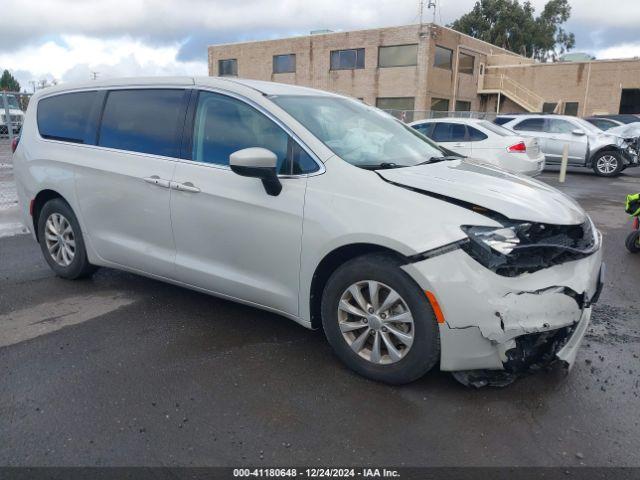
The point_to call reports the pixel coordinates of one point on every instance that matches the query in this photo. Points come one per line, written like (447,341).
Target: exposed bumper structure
(509,324)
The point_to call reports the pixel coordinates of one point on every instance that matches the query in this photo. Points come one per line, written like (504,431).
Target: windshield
(360,134)
(12,101)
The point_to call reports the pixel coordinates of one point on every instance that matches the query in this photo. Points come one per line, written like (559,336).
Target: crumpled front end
(496,326)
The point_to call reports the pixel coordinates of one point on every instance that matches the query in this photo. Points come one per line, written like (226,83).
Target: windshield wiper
(381,166)
(440,159)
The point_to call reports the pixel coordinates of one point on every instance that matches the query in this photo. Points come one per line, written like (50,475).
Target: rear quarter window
(66,117)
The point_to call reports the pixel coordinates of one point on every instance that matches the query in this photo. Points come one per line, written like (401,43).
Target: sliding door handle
(156,180)
(185,187)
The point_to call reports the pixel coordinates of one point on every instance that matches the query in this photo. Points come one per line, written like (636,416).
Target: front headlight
(502,240)
(524,247)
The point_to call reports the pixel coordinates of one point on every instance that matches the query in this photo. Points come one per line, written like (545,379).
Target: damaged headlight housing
(524,247)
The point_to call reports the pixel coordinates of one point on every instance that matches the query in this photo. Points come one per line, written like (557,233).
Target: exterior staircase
(498,83)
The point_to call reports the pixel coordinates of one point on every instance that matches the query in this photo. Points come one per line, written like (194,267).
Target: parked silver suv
(607,154)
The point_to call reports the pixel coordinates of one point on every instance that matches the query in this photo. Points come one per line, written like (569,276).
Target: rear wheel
(379,322)
(633,242)
(61,241)
(608,164)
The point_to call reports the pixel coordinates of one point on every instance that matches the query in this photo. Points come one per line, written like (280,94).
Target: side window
(560,126)
(531,125)
(423,128)
(224,125)
(475,135)
(66,117)
(144,121)
(449,132)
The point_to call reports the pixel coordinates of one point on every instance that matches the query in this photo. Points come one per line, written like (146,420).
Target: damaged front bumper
(509,324)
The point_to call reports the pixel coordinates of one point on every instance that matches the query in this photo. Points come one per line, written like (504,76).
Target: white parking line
(32,322)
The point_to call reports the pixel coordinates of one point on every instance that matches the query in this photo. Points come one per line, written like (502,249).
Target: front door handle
(185,187)
(156,180)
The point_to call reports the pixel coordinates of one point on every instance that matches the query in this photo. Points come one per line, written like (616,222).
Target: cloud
(68,39)
(625,50)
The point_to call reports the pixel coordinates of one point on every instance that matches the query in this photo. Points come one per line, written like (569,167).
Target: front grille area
(537,350)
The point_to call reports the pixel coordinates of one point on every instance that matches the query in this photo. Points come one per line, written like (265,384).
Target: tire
(607,164)
(57,223)
(633,242)
(416,359)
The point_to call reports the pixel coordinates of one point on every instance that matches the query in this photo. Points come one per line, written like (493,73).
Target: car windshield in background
(12,101)
(359,134)
(588,126)
(497,129)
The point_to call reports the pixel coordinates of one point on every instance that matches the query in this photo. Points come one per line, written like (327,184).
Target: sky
(69,40)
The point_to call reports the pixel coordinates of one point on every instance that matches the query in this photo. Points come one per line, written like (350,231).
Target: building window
(443,57)
(400,107)
(228,68)
(398,56)
(347,59)
(439,104)
(463,106)
(466,63)
(549,107)
(284,63)
(571,108)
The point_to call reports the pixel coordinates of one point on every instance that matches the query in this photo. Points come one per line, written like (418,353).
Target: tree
(8,82)
(512,25)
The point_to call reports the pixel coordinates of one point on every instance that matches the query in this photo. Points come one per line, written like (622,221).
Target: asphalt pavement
(123,370)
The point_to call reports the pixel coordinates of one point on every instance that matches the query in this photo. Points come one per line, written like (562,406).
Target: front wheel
(608,164)
(379,322)
(633,242)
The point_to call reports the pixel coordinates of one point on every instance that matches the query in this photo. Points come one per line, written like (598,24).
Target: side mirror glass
(258,163)
(578,132)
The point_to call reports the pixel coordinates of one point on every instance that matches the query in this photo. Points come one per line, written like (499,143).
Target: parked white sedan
(485,141)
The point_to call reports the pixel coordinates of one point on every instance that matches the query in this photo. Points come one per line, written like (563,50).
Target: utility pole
(94,75)
(432,5)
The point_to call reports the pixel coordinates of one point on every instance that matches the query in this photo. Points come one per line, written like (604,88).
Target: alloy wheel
(376,322)
(607,164)
(60,239)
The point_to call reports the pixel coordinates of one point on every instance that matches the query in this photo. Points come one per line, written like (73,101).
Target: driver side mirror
(258,163)
(578,132)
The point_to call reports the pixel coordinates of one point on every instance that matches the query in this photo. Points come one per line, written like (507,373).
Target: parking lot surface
(123,370)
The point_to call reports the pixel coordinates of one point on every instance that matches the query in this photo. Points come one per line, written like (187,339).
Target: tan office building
(433,68)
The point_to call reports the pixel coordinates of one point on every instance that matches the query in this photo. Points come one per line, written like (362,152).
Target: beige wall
(566,82)
(597,85)
(255,60)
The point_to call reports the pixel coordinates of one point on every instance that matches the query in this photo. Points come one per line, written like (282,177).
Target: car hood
(514,196)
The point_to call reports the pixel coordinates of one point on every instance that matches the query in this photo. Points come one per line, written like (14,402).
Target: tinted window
(228,67)
(531,125)
(440,104)
(144,121)
(224,125)
(602,124)
(549,107)
(560,126)
(463,106)
(347,59)
(284,63)
(423,128)
(66,117)
(449,132)
(398,56)
(443,57)
(399,107)
(571,108)
(502,120)
(466,63)
(475,135)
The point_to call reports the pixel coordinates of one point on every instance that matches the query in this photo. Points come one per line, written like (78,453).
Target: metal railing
(517,92)
(12,108)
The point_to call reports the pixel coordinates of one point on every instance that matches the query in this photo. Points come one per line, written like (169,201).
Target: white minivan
(319,208)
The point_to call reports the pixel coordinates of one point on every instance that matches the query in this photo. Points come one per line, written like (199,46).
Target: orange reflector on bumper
(435,306)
